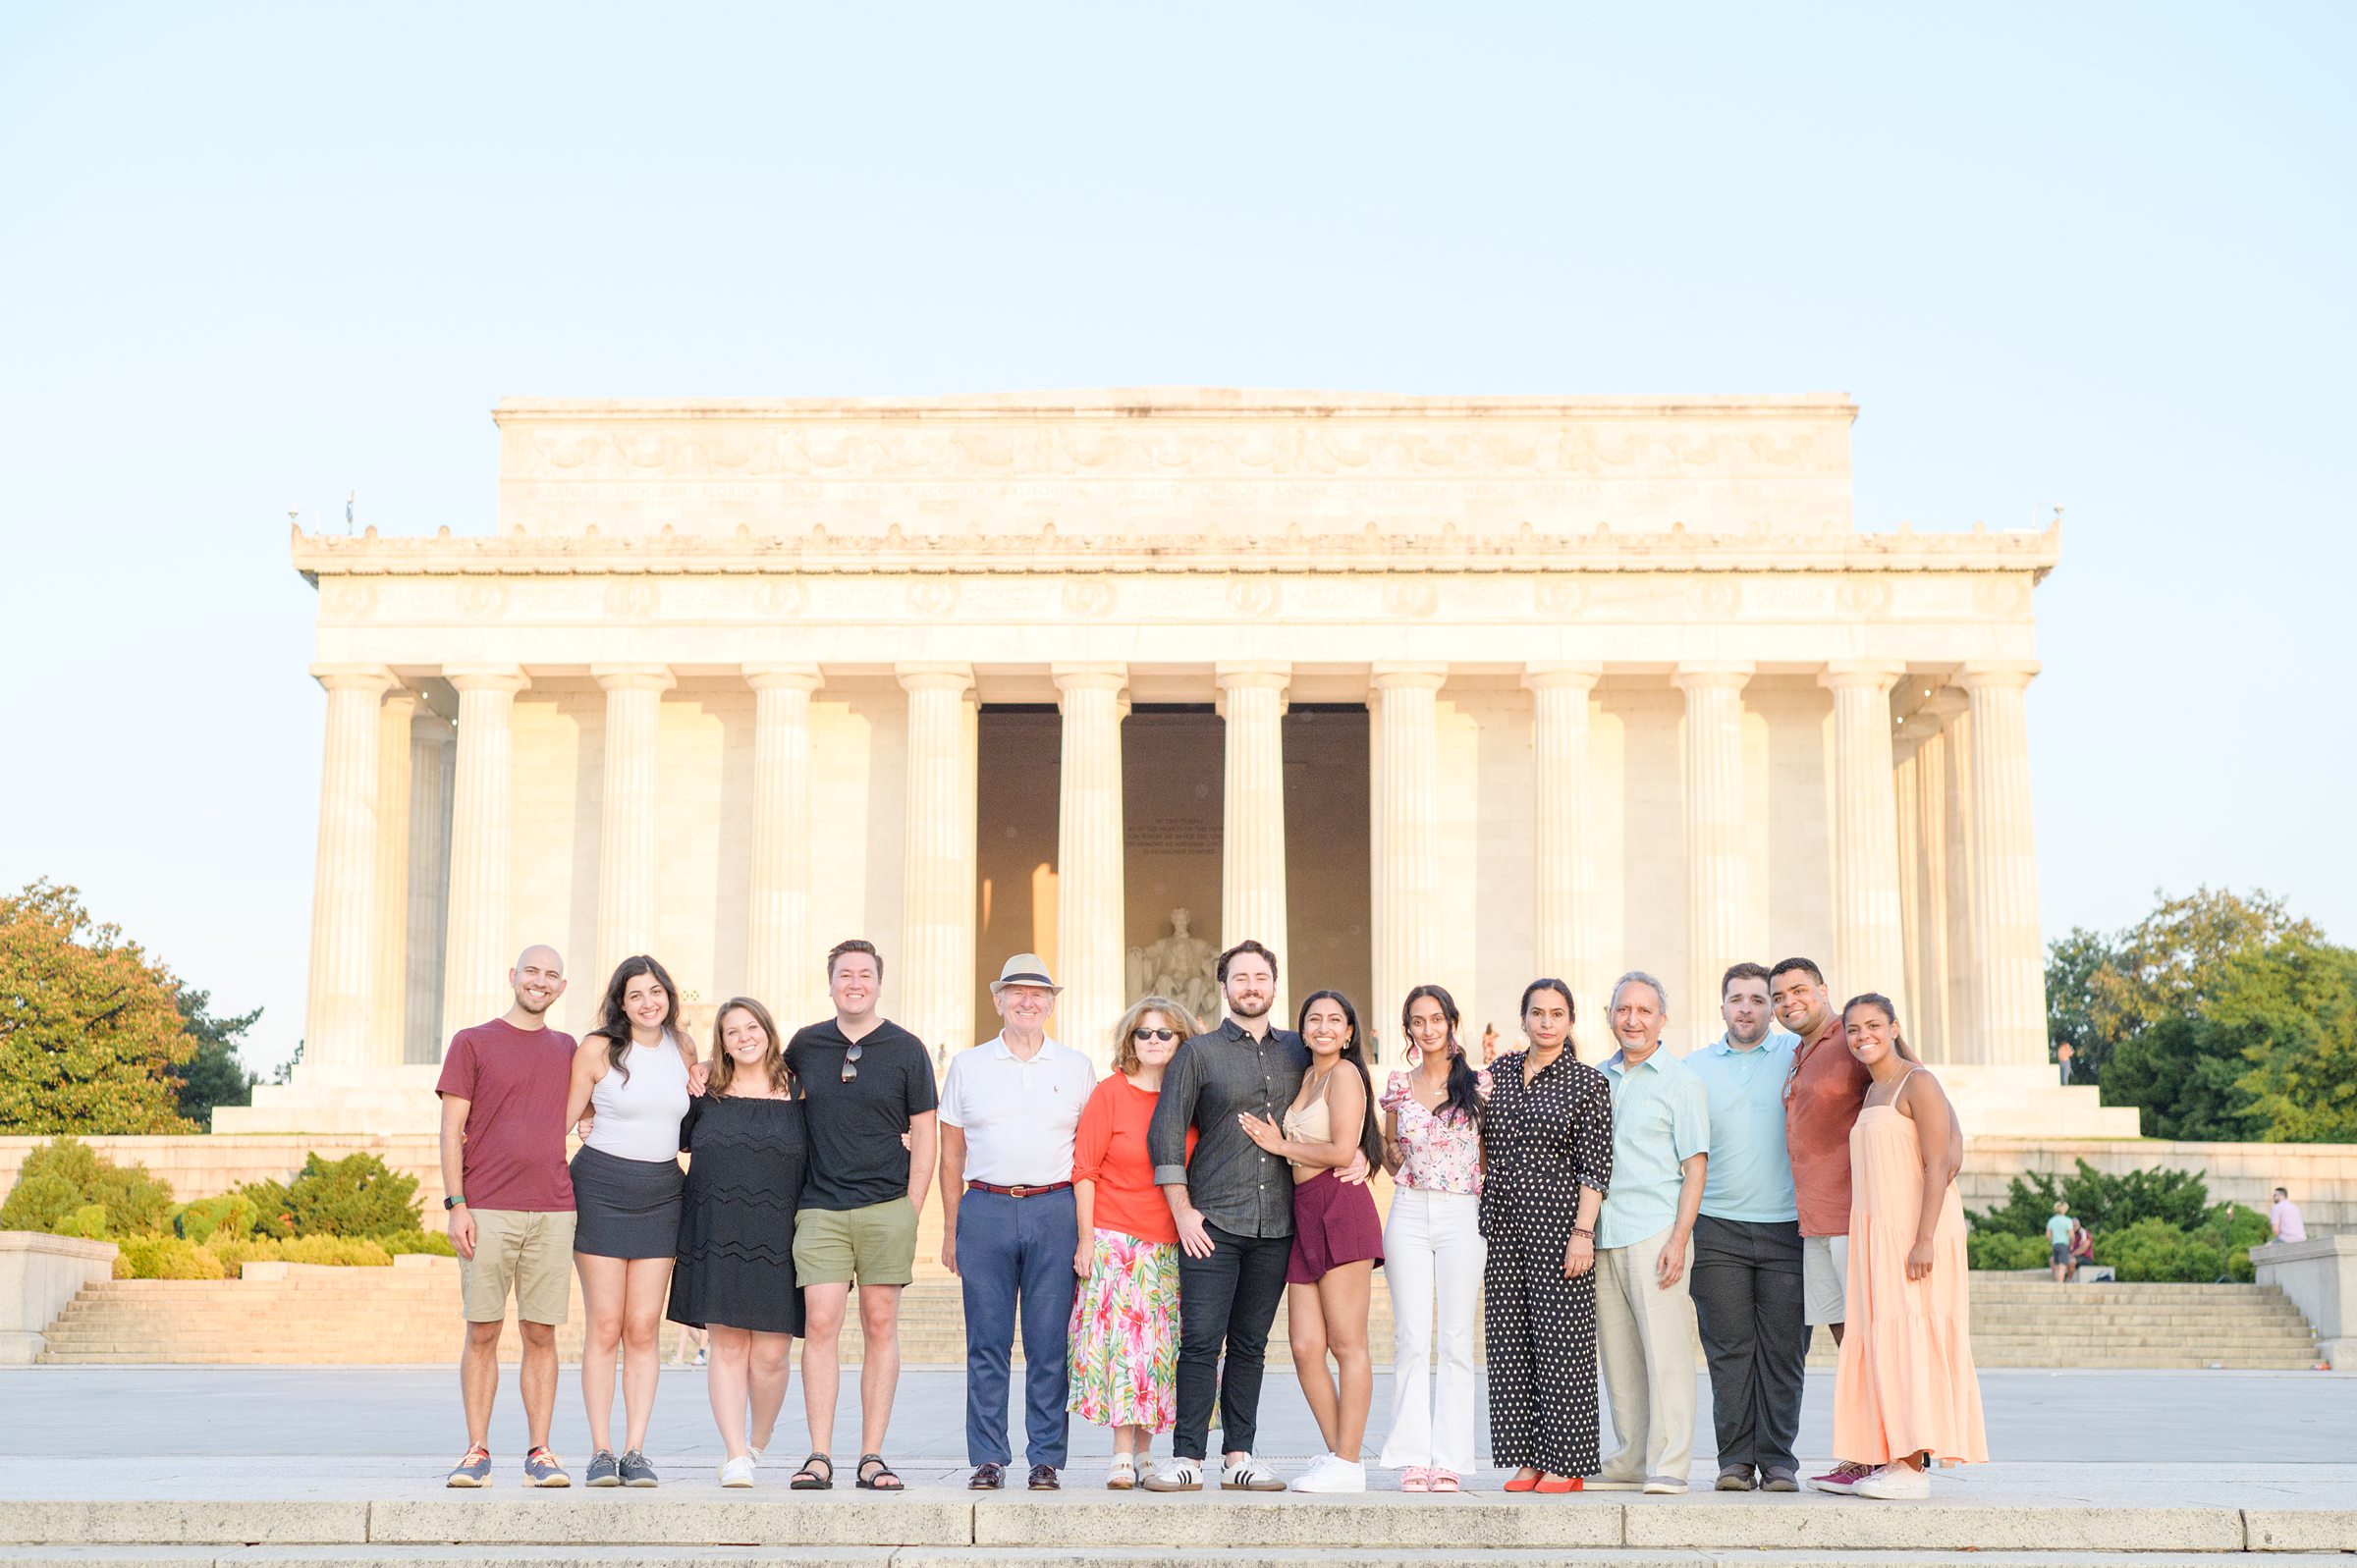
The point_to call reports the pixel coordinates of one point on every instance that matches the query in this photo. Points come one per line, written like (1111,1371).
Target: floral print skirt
(1124,1334)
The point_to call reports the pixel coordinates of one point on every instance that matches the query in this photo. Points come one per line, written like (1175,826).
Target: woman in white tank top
(631,1070)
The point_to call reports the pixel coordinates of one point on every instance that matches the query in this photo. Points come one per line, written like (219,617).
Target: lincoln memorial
(1455,689)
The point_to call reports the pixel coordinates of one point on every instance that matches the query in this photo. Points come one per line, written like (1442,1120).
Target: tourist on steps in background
(1546,1144)
(1124,1339)
(1432,1244)
(1822,1096)
(1644,1307)
(631,1070)
(1329,1126)
(748,1145)
(1009,1108)
(503,1089)
(2059,1228)
(2284,1219)
(1905,1392)
(1747,1269)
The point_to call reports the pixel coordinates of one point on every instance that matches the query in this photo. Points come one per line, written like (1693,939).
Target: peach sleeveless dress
(1905,1381)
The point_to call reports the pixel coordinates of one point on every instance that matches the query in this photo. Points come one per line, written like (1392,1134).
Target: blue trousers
(1015,1254)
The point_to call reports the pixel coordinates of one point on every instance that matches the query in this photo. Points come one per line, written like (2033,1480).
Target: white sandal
(1122,1473)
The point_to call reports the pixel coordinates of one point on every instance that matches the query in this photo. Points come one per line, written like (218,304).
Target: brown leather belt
(1017,1192)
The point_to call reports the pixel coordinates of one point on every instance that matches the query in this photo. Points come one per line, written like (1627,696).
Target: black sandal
(876,1479)
(808,1479)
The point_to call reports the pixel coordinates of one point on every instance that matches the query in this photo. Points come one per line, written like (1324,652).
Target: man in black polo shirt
(1234,1203)
(869,1081)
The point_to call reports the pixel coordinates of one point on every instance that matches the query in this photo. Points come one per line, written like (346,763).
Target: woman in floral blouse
(1432,1243)
(1123,1341)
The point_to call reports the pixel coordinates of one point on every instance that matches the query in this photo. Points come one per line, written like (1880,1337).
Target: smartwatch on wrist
(452,1201)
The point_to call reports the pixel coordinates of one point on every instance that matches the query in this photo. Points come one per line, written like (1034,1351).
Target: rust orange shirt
(1821,1101)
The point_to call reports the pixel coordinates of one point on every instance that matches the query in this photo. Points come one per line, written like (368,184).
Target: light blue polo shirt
(1661,1118)
(1750,1178)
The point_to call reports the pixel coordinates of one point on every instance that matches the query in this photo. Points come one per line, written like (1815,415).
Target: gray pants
(1748,1304)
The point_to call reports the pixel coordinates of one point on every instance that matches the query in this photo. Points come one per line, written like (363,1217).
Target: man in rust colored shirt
(1822,1099)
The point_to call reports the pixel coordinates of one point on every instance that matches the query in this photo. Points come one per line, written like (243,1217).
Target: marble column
(782,969)
(1718,851)
(1408,867)
(476,947)
(1252,813)
(2008,958)
(1562,873)
(336,1030)
(936,962)
(1091,906)
(389,994)
(1869,948)
(428,885)
(630,828)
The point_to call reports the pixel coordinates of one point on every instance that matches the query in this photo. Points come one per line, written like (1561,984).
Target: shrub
(1998,1250)
(334,1251)
(165,1257)
(433,1242)
(355,1196)
(231,1213)
(64,1176)
(88,1221)
(2099,1202)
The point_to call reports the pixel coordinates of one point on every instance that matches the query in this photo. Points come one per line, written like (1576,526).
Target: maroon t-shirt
(515,1082)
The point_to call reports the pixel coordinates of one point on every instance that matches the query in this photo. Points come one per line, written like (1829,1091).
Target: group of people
(1141,1230)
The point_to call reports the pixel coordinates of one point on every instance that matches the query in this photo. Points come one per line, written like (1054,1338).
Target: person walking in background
(868,1084)
(1233,1203)
(1010,1229)
(1644,1311)
(2058,1228)
(503,1092)
(1124,1339)
(1905,1392)
(1746,1278)
(1432,1244)
(1546,1138)
(632,1070)
(735,1275)
(1822,1096)
(2283,1219)
(1337,1237)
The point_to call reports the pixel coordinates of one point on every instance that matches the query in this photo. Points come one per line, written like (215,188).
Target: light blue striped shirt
(1661,1119)
(1750,1178)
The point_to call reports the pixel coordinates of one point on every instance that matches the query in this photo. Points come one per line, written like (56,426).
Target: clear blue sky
(255,256)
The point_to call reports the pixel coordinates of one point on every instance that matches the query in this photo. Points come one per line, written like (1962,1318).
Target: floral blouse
(1439,1151)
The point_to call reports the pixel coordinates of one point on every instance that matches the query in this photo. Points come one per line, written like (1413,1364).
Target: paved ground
(70,1415)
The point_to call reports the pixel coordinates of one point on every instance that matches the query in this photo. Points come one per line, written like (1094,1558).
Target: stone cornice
(1190,402)
(1050,553)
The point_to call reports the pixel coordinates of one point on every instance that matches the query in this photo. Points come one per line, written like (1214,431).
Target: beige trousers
(1645,1336)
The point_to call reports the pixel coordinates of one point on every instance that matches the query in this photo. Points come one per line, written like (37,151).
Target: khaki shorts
(877,1244)
(1824,1278)
(528,1251)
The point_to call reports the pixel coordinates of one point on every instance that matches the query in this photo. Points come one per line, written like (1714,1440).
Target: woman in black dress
(735,1264)
(1547,1152)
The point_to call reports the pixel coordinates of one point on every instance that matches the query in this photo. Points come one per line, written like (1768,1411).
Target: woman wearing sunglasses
(1124,1332)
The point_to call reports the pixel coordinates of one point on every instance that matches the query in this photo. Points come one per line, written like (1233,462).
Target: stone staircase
(408,1315)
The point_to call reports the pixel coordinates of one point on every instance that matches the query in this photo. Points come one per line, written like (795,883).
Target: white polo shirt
(1019,1116)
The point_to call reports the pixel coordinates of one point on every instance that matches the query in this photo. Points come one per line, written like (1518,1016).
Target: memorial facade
(1412,689)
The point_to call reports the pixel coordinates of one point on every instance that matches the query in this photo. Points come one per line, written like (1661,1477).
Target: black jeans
(1227,1299)
(1748,1300)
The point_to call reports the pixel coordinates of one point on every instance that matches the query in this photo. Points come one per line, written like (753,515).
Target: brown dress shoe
(1043,1479)
(987,1478)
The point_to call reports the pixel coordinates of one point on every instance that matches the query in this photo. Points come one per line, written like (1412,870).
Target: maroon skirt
(1334,1223)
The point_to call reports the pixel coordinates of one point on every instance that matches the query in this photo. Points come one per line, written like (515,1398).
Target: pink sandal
(1415,1478)
(1443,1480)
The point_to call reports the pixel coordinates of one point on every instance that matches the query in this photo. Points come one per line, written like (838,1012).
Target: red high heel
(1558,1483)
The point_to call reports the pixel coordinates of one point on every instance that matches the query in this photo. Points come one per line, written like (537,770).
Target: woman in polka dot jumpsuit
(1547,1141)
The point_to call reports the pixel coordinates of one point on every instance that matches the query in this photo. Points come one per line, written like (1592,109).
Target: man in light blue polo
(1644,1315)
(1748,1263)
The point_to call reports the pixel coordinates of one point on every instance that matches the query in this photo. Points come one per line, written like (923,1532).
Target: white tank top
(639,1119)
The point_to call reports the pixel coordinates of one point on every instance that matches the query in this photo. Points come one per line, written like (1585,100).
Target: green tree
(2070,965)
(92,1037)
(2291,1015)
(213,1075)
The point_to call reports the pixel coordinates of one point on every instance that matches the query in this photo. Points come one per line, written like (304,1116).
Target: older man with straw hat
(1009,1111)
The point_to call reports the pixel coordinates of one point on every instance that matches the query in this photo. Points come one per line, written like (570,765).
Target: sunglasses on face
(1154,1034)
(850,1062)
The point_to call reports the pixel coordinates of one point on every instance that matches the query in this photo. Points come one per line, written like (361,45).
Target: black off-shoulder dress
(736,1261)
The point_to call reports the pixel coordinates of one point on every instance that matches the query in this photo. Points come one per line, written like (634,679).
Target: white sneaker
(1895,1484)
(1663,1485)
(1184,1475)
(1248,1474)
(738,1472)
(1332,1472)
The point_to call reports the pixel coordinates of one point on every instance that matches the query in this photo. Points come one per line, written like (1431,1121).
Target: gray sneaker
(603,1469)
(1778,1479)
(636,1472)
(474,1469)
(543,1469)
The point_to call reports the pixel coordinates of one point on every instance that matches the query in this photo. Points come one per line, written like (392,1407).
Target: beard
(536,1008)
(1752,1039)
(1252,1007)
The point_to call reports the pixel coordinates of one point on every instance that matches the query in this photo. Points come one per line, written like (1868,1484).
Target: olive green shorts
(529,1251)
(876,1245)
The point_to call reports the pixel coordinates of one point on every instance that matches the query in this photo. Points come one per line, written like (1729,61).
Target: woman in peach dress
(1905,1392)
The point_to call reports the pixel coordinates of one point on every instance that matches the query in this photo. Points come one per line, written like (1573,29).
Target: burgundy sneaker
(1842,1480)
